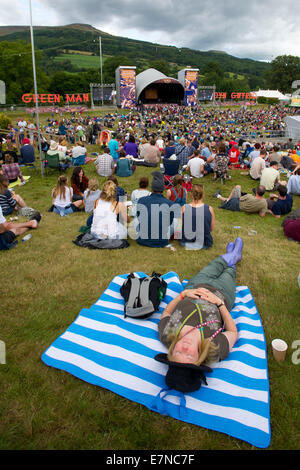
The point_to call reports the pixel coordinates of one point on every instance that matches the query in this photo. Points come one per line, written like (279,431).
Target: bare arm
(212,225)
(191,293)
(230,328)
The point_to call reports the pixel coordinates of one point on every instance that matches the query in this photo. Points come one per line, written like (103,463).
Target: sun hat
(183,377)
(53,145)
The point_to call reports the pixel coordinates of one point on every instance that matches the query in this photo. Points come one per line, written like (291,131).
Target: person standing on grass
(113,146)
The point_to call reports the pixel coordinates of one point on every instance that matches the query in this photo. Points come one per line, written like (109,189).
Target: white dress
(105,224)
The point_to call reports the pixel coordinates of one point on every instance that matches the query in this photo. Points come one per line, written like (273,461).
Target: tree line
(62,78)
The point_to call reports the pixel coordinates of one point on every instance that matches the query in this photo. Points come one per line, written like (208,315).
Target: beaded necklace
(200,326)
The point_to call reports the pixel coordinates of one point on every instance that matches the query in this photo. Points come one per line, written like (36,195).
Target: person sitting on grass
(177,193)
(105,224)
(9,201)
(270,177)
(138,193)
(221,162)
(196,326)
(79,154)
(293,185)
(91,194)
(124,166)
(198,221)
(10,231)
(11,170)
(120,191)
(27,153)
(238,201)
(280,203)
(62,157)
(62,198)
(79,183)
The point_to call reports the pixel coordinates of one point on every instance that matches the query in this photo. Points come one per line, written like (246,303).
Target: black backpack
(142,295)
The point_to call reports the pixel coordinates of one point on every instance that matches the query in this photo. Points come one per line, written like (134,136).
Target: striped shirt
(7,202)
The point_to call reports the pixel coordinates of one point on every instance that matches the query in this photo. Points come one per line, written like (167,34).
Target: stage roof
(149,76)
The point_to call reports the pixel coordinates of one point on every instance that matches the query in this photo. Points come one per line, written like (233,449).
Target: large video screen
(107,93)
(206,94)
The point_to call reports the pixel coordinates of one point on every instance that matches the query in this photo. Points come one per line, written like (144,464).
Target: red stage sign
(54,98)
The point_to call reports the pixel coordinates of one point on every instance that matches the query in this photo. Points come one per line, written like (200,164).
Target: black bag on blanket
(142,295)
(86,240)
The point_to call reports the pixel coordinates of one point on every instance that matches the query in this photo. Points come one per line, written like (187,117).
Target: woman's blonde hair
(208,351)
(197,192)
(109,191)
(60,188)
(93,186)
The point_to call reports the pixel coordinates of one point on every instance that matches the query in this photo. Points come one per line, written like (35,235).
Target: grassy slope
(48,280)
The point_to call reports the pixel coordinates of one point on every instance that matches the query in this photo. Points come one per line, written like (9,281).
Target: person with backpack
(196,326)
(177,193)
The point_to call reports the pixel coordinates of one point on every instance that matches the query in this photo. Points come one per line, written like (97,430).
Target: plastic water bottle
(27,237)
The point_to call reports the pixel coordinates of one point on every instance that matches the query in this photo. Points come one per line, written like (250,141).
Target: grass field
(82,60)
(48,280)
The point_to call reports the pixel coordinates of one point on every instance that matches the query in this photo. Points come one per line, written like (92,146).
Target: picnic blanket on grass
(19,182)
(103,348)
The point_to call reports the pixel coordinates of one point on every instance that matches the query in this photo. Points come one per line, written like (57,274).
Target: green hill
(53,40)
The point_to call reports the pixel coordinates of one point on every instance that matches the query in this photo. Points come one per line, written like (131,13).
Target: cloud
(255,29)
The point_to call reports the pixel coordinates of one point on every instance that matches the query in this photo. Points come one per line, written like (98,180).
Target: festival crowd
(181,144)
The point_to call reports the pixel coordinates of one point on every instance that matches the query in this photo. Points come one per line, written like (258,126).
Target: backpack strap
(139,293)
(134,293)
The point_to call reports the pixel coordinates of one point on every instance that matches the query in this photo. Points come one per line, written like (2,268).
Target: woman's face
(80,174)
(186,349)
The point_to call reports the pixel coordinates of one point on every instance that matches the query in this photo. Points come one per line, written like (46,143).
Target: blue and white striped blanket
(103,348)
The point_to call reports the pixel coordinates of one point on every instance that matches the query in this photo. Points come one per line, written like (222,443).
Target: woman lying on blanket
(197,326)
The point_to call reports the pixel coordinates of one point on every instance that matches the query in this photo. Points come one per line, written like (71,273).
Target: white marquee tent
(272,94)
(293,127)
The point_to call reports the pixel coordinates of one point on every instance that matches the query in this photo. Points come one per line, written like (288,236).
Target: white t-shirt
(2,218)
(257,167)
(22,125)
(78,151)
(268,178)
(63,202)
(253,155)
(160,143)
(195,165)
(135,196)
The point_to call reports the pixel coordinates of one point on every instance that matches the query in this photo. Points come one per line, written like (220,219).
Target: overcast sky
(258,29)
